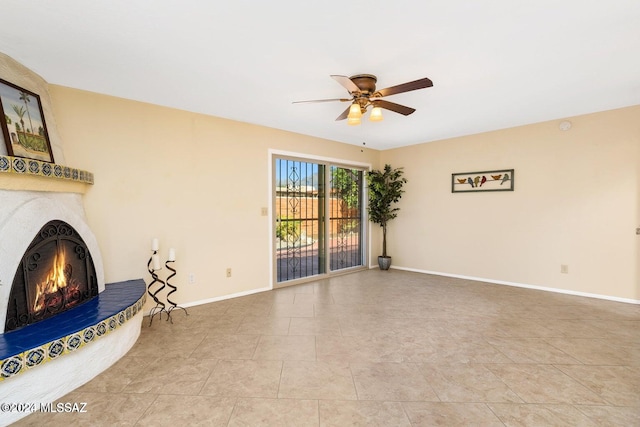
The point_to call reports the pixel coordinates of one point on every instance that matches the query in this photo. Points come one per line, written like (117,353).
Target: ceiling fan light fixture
(354,111)
(376,114)
(353,121)
(355,114)
(363,93)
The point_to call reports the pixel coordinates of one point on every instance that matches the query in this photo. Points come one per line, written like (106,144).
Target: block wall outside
(307,208)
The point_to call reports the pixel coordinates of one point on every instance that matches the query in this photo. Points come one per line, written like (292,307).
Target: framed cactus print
(23,127)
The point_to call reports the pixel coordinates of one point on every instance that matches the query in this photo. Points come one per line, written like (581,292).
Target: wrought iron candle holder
(160,307)
(172,304)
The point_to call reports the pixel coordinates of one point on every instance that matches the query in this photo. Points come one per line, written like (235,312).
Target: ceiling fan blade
(346,82)
(405,87)
(393,107)
(344,114)
(323,100)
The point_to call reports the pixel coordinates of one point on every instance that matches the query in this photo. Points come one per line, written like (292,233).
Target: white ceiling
(494,63)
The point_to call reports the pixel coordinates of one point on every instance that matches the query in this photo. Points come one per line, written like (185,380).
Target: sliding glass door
(318,218)
(299,219)
(345,219)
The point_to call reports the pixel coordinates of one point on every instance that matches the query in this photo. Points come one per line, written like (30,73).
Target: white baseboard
(522,285)
(221,298)
(436,273)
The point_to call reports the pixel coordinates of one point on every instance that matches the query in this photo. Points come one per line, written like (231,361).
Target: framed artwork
(23,127)
(469,182)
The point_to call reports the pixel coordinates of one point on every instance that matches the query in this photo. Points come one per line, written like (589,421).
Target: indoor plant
(385,189)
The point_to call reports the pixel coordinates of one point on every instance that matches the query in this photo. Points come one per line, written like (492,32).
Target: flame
(55,281)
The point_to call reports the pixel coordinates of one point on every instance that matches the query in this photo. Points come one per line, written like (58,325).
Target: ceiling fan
(362,89)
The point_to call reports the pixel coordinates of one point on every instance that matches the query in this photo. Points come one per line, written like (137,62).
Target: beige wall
(197,183)
(576,202)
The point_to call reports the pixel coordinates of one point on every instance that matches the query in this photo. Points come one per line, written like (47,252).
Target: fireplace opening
(56,274)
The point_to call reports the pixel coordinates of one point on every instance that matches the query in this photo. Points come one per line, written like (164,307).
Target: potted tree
(385,189)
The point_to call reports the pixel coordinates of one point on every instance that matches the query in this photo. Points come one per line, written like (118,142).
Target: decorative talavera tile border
(15,365)
(21,166)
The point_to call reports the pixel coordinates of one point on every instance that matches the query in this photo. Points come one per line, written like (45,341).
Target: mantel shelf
(27,169)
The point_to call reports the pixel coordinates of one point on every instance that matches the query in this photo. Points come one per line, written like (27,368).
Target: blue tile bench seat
(40,342)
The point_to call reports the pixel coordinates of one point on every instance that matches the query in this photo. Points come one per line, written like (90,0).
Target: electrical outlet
(264,211)
(564,269)
(228,272)
(192,278)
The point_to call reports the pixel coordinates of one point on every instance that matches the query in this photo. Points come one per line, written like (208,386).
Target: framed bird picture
(470,182)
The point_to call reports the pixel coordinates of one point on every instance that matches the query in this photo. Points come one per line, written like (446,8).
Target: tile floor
(377,349)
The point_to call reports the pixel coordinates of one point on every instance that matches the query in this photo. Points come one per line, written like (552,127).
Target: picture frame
(493,180)
(23,126)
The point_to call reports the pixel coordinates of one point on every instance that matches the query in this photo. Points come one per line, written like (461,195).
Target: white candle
(172,254)
(155,245)
(156,262)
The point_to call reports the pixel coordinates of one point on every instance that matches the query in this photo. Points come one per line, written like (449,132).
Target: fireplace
(60,324)
(55,339)
(56,274)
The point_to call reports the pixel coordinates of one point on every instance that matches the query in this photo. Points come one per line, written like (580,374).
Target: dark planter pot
(384,262)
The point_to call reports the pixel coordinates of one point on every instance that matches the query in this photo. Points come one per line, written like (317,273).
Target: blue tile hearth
(40,342)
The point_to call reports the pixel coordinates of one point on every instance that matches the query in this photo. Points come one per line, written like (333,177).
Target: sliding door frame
(273,155)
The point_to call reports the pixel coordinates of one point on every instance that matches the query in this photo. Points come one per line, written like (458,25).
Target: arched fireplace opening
(56,274)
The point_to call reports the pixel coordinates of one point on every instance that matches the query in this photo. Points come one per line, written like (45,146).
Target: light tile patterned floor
(377,348)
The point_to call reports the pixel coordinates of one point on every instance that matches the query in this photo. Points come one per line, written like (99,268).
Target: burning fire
(59,288)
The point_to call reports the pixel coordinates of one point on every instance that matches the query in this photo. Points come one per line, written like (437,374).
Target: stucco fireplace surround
(44,360)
